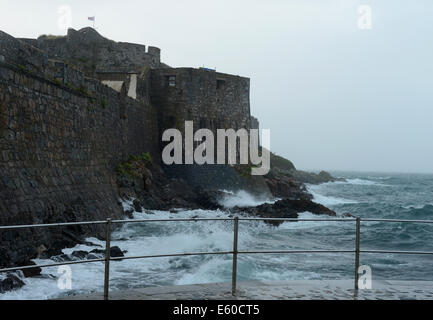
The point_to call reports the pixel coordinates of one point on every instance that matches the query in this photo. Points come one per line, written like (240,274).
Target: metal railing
(108,223)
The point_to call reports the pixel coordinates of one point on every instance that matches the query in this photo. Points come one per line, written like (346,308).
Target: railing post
(107,258)
(235,254)
(358,234)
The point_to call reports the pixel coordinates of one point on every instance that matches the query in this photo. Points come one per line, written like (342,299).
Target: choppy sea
(367,195)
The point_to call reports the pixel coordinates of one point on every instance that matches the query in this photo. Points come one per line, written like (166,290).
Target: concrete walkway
(281,290)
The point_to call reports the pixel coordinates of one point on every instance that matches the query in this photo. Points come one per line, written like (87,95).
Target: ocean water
(367,195)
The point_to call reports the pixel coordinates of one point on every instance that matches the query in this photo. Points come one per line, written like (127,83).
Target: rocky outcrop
(285,208)
(11,281)
(76,255)
(283,186)
(285,181)
(313,178)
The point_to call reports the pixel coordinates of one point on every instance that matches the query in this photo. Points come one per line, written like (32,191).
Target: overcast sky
(335,96)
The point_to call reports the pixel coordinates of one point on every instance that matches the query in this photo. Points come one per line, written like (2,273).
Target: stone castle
(211,99)
(72,107)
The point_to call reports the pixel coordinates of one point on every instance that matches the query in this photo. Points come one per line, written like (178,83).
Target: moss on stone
(135,165)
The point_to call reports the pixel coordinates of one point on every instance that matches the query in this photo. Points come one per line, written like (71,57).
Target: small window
(220,83)
(171,81)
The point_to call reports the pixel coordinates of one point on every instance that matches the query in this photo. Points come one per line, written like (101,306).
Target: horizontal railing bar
(52,264)
(231,252)
(51,225)
(296,251)
(397,220)
(171,220)
(173,255)
(396,252)
(205,219)
(226,219)
(296,219)
(213,253)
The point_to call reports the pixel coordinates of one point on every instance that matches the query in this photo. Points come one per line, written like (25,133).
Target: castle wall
(255,123)
(91,52)
(22,54)
(62,134)
(211,99)
(59,150)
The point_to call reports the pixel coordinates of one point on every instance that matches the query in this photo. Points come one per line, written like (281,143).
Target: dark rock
(10,281)
(285,208)
(282,186)
(80,254)
(137,205)
(313,178)
(116,252)
(91,256)
(129,213)
(4,256)
(32,272)
(61,258)
(348,215)
(98,251)
(209,199)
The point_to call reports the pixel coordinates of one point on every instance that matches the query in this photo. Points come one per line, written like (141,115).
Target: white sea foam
(154,238)
(355,181)
(379,178)
(361,182)
(269,275)
(326,200)
(292,225)
(417,206)
(208,272)
(242,199)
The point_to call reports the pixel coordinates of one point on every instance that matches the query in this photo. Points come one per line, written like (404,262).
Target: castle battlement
(91,52)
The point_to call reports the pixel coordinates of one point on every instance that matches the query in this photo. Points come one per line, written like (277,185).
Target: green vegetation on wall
(135,164)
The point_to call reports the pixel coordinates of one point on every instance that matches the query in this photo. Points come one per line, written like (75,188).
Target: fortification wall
(214,101)
(22,54)
(62,134)
(92,52)
(58,152)
(211,99)
(255,123)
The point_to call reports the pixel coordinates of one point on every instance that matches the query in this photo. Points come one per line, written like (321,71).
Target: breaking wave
(242,199)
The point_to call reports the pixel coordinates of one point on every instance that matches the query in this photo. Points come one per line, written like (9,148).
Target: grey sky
(334,96)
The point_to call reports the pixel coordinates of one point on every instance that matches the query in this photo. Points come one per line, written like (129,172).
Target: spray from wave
(327,200)
(242,198)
